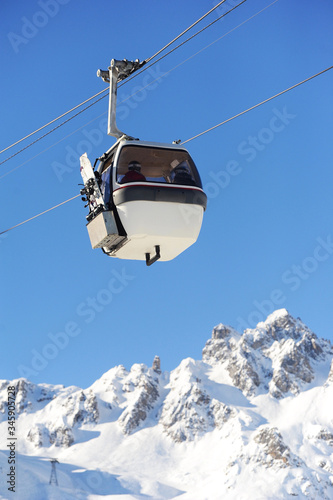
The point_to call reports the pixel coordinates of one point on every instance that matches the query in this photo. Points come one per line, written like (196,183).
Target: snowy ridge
(278,355)
(253,420)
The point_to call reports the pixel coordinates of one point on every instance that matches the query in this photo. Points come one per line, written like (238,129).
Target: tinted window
(160,165)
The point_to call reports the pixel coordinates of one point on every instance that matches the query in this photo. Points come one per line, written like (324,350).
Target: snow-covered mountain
(252,420)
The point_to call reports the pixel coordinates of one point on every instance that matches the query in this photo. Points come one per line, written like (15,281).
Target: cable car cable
(166,73)
(188,140)
(183,33)
(51,146)
(38,215)
(104,90)
(52,121)
(185,41)
(107,89)
(53,129)
(256,105)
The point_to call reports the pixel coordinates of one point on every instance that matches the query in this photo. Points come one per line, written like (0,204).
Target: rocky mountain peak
(145,393)
(276,356)
(281,324)
(157,365)
(189,410)
(223,331)
(258,405)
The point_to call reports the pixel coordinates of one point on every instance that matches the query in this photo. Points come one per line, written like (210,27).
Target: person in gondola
(134,173)
(182,176)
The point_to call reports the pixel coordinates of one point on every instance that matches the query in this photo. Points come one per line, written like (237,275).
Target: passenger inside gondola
(133,174)
(156,165)
(181,175)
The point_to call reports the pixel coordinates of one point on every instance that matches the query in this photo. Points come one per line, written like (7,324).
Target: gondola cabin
(146,200)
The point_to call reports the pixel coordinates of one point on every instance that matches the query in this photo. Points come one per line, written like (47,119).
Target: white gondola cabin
(145,199)
(158,215)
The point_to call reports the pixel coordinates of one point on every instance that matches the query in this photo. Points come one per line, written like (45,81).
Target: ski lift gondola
(145,199)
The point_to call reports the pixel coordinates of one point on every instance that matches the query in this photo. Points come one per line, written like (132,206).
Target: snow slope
(252,420)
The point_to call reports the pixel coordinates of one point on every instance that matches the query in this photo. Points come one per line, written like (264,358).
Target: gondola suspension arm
(117,71)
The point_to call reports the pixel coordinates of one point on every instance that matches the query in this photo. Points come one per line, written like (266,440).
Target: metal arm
(118,70)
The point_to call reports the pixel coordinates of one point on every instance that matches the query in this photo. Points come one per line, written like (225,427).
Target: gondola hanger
(145,199)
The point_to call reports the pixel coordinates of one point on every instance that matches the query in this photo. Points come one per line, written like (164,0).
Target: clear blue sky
(267,236)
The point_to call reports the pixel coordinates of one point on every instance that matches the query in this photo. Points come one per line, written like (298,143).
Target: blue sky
(267,238)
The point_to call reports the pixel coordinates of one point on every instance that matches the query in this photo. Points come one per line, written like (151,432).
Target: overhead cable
(52,130)
(256,105)
(38,215)
(188,140)
(52,121)
(99,93)
(188,39)
(147,67)
(185,31)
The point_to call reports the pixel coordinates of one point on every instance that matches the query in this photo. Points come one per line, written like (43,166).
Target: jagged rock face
(130,395)
(291,368)
(81,408)
(276,451)
(77,409)
(188,410)
(222,332)
(242,370)
(22,388)
(283,325)
(27,392)
(277,355)
(157,365)
(224,341)
(217,395)
(227,347)
(62,436)
(41,435)
(325,435)
(187,416)
(146,393)
(229,411)
(272,452)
